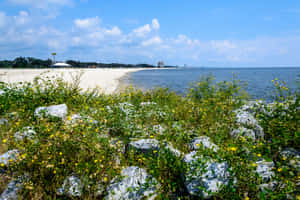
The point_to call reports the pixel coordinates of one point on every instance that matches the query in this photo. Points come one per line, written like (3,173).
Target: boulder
(242,131)
(245,118)
(293,156)
(255,134)
(3,121)
(136,184)
(126,108)
(174,151)
(145,145)
(203,141)
(72,187)
(205,176)
(145,104)
(11,192)
(158,129)
(59,111)
(264,170)
(10,155)
(26,132)
(77,118)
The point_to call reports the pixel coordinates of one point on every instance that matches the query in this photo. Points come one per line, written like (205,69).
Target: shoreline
(109,80)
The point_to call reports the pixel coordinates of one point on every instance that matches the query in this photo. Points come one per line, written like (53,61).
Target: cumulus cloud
(152,41)
(22,19)
(3,19)
(142,31)
(155,24)
(88,38)
(88,23)
(40,3)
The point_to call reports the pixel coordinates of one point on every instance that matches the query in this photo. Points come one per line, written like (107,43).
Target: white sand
(107,79)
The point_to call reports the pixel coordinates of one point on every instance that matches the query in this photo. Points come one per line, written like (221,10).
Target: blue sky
(194,32)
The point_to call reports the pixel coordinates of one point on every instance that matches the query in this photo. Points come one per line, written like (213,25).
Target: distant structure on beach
(161,64)
(60,65)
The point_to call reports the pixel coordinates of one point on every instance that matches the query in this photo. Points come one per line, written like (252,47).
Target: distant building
(161,64)
(61,65)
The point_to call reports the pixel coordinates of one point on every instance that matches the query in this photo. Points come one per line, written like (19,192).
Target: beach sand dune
(106,79)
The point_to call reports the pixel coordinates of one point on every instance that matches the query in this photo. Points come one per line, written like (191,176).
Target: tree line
(29,62)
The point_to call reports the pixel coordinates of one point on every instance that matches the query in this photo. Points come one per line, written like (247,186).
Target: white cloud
(152,41)
(22,19)
(114,31)
(155,24)
(40,3)
(87,38)
(142,31)
(3,19)
(88,23)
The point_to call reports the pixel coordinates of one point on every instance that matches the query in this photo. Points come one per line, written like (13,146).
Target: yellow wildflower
(247,198)
(2,165)
(95,161)
(254,165)
(4,140)
(105,179)
(259,155)
(279,170)
(283,158)
(60,153)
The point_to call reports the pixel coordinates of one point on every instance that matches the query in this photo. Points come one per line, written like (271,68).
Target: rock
(136,184)
(203,141)
(205,176)
(245,132)
(72,187)
(11,192)
(245,118)
(145,104)
(59,111)
(126,107)
(174,151)
(264,170)
(26,132)
(10,155)
(145,145)
(268,186)
(293,156)
(77,118)
(158,129)
(3,121)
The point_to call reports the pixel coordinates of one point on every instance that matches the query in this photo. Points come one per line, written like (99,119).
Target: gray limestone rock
(26,132)
(293,156)
(59,111)
(136,184)
(10,155)
(145,145)
(3,121)
(203,141)
(72,187)
(11,192)
(245,118)
(264,170)
(205,176)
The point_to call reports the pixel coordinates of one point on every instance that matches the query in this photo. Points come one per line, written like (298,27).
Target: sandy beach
(106,79)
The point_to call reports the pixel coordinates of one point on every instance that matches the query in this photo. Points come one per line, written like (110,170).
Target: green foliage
(63,147)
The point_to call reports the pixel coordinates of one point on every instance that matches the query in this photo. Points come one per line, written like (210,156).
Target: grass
(86,149)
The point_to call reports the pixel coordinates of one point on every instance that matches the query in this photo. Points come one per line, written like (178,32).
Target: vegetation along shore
(58,141)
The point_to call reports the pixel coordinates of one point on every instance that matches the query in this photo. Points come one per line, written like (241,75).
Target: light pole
(53,54)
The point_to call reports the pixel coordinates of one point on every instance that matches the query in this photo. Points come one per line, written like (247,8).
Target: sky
(229,33)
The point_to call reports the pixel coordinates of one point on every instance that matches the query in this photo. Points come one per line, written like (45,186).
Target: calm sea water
(258,80)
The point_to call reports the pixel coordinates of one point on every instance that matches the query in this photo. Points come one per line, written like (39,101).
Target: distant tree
(20,62)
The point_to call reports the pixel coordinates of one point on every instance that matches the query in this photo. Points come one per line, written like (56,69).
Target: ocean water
(259,80)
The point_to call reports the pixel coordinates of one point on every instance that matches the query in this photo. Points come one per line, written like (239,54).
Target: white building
(61,65)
